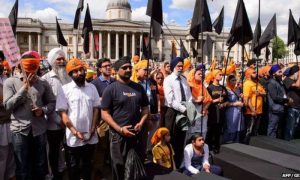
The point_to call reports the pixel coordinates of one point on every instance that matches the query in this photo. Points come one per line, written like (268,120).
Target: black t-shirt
(125,102)
(154,100)
(292,92)
(216,115)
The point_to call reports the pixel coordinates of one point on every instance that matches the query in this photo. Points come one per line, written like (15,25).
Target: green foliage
(279,48)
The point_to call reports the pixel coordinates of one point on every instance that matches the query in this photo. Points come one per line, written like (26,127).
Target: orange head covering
(74,64)
(5,64)
(159,134)
(136,59)
(248,72)
(140,65)
(264,70)
(30,61)
(230,69)
(209,77)
(186,64)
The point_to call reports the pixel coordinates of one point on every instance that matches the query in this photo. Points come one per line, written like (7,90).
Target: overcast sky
(178,11)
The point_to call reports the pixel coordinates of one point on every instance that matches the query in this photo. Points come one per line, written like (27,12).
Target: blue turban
(200,67)
(175,61)
(274,69)
(291,70)
(287,72)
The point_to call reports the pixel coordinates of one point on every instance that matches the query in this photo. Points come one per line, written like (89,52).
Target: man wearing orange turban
(29,99)
(253,100)
(78,104)
(6,69)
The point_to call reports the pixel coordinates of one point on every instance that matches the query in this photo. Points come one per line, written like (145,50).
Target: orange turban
(209,77)
(159,134)
(248,72)
(229,70)
(74,64)
(136,59)
(186,64)
(264,70)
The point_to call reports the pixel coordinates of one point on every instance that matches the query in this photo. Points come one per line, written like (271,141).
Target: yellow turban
(140,65)
(90,74)
(215,73)
(229,70)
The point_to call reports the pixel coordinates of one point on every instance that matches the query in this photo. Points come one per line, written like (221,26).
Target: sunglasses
(126,67)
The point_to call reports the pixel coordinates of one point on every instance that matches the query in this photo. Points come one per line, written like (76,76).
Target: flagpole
(171,33)
(77,34)
(256,88)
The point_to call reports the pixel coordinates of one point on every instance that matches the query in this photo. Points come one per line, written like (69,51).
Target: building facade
(118,35)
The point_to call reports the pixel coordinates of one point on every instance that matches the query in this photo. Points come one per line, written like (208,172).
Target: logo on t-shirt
(129,94)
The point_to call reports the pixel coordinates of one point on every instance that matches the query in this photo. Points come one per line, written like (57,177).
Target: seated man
(196,157)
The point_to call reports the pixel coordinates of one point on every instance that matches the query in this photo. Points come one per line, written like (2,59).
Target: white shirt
(54,119)
(79,102)
(173,93)
(188,154)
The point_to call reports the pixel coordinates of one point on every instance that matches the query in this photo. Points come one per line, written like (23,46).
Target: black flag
(208,45)
(154,10)
(201,18)
(269,33)
(13,16)
(195,52)
(294,34)
(241,31)
(86,29)
(183,52)
(219,22)
(60,37)
(146,47)
(256,37)
(77,14)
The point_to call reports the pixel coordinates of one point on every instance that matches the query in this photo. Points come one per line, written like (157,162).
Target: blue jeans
(293,121)
(274,120)
(30,156)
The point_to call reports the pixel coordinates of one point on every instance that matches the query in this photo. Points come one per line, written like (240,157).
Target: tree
(279,48)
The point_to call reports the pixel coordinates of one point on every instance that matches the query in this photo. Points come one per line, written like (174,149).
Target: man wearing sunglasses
(277,98)
(125,109)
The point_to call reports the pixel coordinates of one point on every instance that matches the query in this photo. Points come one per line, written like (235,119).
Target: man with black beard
(57,77)
(78,103)
(253,93)
(125,108)
(277,98)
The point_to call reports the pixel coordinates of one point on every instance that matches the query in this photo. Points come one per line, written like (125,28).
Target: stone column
(133,45)
(213,52)
(160,46)
(125,44)
(40,44)
(141,45)
(100,45)
(75,41)
(29,42)
(92,43)
(108,46)
(117,45)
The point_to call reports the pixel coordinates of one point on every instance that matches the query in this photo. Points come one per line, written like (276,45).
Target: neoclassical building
(116,36)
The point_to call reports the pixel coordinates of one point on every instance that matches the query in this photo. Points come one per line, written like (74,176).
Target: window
(47,39)
(70,40)
(79,40)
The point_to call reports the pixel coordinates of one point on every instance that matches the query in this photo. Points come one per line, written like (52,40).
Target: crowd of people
(173,115)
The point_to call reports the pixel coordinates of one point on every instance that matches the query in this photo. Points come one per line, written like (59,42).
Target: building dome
(118,9)
(118,4)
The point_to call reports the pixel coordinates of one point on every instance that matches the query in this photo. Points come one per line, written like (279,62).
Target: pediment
(124,23)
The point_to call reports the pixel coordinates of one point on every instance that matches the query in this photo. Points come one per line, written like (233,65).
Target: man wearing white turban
(57,77)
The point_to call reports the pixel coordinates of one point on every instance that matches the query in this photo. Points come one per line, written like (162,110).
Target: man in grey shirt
(29,99)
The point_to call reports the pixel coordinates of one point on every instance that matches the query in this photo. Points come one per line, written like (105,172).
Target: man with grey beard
(57,77)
